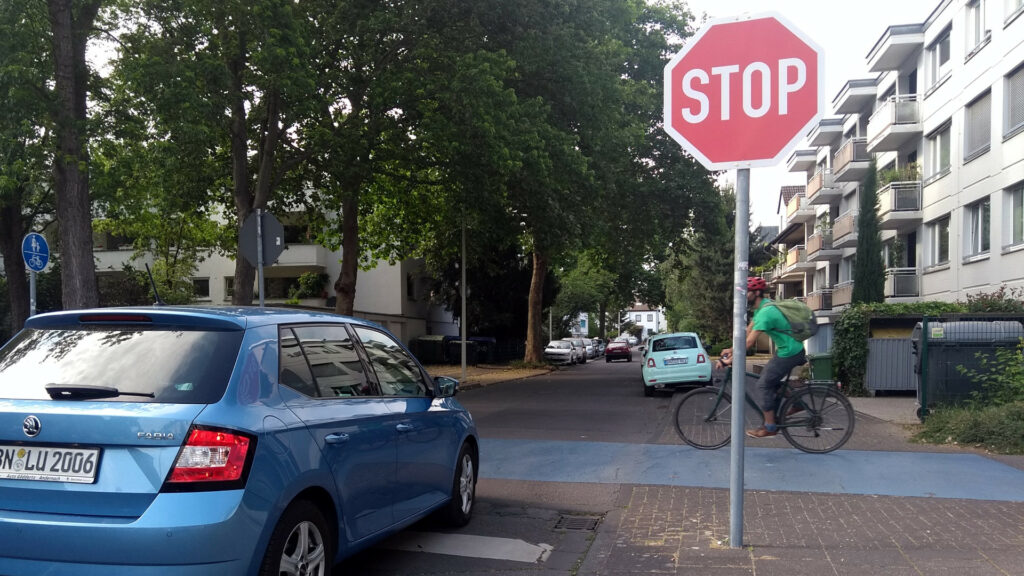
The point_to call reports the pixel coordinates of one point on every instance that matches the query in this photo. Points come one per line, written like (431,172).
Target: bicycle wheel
(703,420)
(820,419)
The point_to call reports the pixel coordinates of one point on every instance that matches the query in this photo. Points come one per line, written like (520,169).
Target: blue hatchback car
(219,441)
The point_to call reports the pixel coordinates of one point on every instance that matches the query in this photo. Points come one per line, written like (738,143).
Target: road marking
(469,546)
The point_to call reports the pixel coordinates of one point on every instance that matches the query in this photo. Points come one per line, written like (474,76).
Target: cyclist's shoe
(762,432)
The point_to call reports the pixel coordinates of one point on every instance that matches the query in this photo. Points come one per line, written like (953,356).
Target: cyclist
(789,353)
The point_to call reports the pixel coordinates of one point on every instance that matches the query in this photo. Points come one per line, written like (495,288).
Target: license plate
(674,361)
(49,463)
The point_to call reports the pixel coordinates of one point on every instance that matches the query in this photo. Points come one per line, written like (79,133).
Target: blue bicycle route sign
(36,251)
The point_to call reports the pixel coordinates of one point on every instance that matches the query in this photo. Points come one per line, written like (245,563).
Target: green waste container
(821,366)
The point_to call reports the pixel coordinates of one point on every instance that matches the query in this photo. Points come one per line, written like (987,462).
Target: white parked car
(561,352)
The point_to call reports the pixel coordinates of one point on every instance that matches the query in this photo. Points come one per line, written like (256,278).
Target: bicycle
(816,418)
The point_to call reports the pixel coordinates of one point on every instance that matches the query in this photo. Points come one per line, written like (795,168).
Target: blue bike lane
(910,474)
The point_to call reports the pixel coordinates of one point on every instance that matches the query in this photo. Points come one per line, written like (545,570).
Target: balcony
(852,161)
(299,258)
(796,265)
(798,210)
(894,123)
(902,283)
(827,132)
(802,160)
(899,206)
(842,294)
(895,47)
(819,248)
(844,231)
(820,300)
(855,96)
(822,189)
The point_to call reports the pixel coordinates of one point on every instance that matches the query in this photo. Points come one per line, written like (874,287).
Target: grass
(999,429)
(523,365)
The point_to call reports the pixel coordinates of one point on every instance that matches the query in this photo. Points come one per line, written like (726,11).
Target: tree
(25,154)
(868,268)
(72,24)
(226,83)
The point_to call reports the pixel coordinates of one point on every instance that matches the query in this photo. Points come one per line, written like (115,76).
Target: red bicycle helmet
(756,283)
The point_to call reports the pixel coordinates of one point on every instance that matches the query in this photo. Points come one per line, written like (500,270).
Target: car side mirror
(445,387)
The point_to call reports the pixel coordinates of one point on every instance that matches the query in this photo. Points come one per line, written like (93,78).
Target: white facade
(944,120)
(651,319)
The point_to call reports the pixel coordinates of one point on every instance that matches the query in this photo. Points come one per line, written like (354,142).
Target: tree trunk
(534,341)
(345,286)
(12,230)
(245,273)
(602,312)
(71,163)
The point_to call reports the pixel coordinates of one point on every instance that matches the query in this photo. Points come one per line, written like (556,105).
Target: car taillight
(701,359)
(212,459)
(650,363)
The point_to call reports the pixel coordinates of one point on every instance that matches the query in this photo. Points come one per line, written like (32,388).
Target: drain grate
(577,523)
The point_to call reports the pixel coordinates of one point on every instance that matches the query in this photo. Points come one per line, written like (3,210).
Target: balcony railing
(819,241)
(796,255)
(794,205)
(853,150)
(902,283)
(821,179)
(845,225)
(903,110)
(820,300)
(842,294)
(899,197)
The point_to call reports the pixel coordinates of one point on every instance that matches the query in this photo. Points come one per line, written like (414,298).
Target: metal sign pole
(259,250)
(32,293)
(462,285)
(739,357)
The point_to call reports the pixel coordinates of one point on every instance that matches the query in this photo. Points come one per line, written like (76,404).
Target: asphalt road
(564,451)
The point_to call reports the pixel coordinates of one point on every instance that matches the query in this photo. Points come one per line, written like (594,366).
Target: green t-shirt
(771,321)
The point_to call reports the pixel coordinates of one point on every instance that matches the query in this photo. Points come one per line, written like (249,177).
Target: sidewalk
(483,374)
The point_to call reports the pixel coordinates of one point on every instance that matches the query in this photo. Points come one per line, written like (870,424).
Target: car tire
(607,360)
(629,358)
(648,391)
(458,511)
(302,521)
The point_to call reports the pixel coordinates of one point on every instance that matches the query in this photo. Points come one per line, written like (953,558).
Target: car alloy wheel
(300,545)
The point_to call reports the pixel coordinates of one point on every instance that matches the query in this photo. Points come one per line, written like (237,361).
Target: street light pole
(462,285)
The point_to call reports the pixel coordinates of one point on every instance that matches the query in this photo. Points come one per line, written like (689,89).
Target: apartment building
(944,120)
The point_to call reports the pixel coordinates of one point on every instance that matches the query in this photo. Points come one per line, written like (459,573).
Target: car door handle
(404,428)
(339,438)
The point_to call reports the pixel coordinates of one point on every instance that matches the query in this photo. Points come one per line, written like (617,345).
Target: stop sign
(743,92)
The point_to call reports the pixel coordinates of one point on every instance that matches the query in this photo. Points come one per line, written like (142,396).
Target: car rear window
(674,343)
(174,365)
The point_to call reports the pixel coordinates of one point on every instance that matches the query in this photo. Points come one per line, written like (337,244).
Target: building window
(977,126)
(977,228)
(638,318)
(975,32)
(938,152)
(1015,211)
(938,58)
(1013,9)
(938,242)
(1015,101)
(650,317)
(229,287)
(201,288)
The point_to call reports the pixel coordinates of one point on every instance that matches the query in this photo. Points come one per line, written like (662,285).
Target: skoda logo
(31,426)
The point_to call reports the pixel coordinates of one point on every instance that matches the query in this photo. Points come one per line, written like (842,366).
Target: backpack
(800,317)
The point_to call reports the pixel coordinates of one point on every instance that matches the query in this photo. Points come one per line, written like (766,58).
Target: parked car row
(574,350)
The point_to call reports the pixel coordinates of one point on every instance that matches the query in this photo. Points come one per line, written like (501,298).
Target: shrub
(1001,376)
(996,428)
(310,285)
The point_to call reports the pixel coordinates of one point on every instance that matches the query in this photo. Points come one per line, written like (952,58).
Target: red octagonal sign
(743,92)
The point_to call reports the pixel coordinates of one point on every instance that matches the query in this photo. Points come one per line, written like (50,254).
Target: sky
(846,31)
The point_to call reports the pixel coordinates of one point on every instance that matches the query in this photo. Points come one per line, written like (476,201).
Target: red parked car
(618,350)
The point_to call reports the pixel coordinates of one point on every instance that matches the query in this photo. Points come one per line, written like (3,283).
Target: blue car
(219,441)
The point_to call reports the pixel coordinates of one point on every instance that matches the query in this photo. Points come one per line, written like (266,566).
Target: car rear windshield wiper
(85,392)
